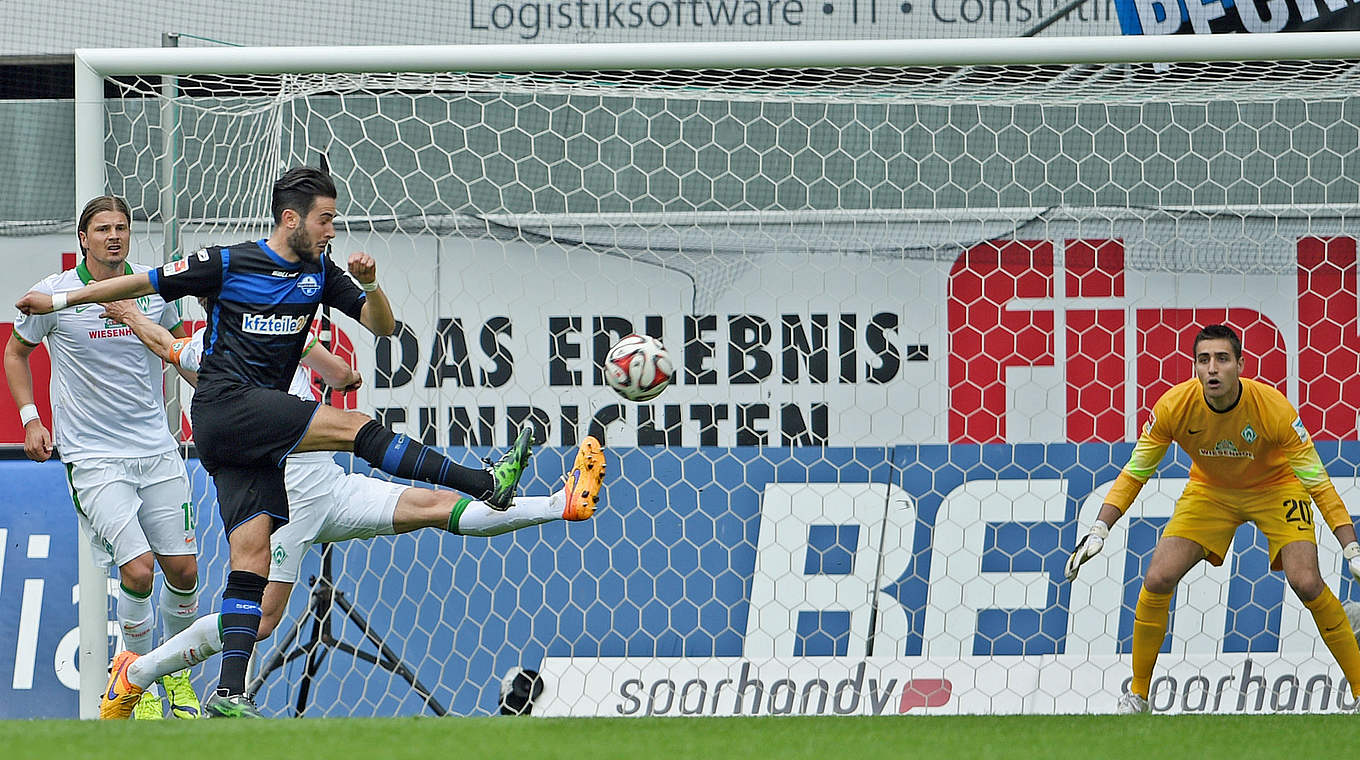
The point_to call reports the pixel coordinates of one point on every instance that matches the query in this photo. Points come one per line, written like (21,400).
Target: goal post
(921,295)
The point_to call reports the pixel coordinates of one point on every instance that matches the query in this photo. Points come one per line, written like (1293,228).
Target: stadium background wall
(931,554)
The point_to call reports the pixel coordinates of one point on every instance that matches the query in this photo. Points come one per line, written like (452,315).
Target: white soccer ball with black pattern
(638,367)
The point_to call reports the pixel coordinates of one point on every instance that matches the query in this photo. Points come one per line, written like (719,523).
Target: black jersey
(260,306)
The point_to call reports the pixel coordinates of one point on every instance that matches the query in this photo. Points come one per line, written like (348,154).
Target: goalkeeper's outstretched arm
(1147,453)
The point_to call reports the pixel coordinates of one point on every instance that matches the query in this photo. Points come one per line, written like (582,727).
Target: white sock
(135,616)
(195,644)
(179,609)
(478,519)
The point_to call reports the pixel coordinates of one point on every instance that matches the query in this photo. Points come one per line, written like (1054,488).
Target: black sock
(240,625)
(406,458)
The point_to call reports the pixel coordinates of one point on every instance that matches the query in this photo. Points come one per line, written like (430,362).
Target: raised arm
(377,310)
(113,289)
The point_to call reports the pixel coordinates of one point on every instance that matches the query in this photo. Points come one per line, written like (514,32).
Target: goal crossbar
(723,55)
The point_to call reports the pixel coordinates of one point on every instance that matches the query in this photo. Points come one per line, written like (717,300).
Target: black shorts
(246,426)
(244,493)
(243,433)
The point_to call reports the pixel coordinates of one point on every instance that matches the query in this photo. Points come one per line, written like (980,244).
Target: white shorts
(130,506)
(353,506)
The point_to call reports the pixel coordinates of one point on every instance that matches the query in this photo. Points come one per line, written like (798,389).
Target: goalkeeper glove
(1091,544)
(1351,552)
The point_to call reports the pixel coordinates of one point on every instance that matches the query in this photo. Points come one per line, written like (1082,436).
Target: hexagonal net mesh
(918,315)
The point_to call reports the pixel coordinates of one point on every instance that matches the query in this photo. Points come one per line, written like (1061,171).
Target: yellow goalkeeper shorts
(1210,517)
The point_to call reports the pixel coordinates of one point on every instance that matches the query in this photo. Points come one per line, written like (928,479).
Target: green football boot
(148,708)
(506,472)
(180,694)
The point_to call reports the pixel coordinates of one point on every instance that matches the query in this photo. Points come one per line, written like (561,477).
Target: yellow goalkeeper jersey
(1257,444)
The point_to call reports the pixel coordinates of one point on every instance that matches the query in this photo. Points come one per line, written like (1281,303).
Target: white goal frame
(93,65)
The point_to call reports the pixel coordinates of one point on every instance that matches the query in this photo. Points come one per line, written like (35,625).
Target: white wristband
(28,413)
(369,287)
(1351,550)
(1100,530)
(58,301)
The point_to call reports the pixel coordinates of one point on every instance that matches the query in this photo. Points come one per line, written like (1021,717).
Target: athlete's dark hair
(298,190)
(98,205)
(1219,332)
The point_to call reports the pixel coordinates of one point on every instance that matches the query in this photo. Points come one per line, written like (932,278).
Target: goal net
(919,309)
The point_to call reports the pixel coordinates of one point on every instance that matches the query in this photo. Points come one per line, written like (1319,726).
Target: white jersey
(306,473)
(108,392)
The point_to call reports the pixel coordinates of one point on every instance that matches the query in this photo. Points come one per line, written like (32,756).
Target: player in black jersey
(261,298)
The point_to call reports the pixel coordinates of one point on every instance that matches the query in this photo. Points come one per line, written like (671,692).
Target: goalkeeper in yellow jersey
(1252,460)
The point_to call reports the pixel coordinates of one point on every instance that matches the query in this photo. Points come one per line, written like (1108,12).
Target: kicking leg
(335,430)
(423,508)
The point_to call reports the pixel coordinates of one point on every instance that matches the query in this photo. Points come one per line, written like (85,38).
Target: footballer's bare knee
(1171,560)
(333,429)
(1300,564)
(181,570)
(1307,587)
(1304,578)
(136,574)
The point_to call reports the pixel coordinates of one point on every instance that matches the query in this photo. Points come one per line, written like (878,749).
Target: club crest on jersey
(1248,434)
(273,324)
(308,285)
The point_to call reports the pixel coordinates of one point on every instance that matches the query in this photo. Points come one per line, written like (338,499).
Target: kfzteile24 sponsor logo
(749,692)
(273,324)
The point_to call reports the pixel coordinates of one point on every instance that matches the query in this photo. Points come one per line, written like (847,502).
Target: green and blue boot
(506,471)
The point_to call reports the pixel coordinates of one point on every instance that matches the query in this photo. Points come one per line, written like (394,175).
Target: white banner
(1047,685)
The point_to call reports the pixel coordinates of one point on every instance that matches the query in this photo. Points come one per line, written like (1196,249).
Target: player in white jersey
(327,505)
(123,469)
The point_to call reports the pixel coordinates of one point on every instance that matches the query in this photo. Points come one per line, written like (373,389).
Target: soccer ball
(638,367)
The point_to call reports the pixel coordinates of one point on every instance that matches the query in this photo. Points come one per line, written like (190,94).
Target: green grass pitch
(1279,737)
